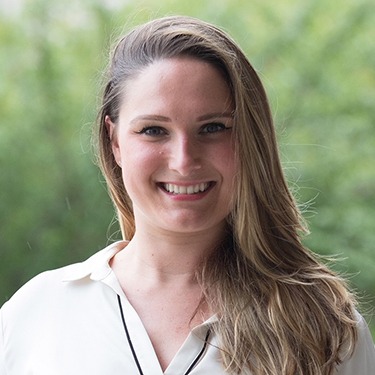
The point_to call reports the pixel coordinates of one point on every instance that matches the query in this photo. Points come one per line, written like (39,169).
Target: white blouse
(77,321)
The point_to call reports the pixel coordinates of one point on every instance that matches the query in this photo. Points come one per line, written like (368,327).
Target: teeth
(191,189)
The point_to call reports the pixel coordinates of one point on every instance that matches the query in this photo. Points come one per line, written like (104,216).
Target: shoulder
(34,291)
(33,299)
(48,288)
(362,361)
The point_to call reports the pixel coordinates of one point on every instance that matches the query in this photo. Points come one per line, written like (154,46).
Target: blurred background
(317,61)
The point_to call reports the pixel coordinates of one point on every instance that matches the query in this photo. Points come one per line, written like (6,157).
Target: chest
(168,320)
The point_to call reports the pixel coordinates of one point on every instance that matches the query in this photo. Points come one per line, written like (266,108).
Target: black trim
(128,337)
(200,355)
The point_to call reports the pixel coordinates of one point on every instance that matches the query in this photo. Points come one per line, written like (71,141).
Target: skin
(173,137)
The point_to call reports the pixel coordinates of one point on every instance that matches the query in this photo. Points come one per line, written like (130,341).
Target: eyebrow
(150,118)
(160,118)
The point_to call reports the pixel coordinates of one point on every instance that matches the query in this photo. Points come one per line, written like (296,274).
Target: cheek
(138,162)
(228,161)
(230,171)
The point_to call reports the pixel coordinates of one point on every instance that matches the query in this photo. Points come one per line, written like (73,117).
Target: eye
(214,127)
(152,131)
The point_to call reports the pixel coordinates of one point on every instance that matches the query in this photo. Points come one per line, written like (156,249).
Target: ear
(112,132)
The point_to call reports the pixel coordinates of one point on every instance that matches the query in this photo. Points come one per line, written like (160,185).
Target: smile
(190,189)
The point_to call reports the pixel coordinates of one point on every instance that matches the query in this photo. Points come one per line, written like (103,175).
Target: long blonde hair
(281,311)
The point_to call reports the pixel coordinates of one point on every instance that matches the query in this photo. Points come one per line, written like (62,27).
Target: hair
(280,310)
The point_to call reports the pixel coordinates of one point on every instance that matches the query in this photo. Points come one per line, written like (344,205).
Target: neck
(165,257)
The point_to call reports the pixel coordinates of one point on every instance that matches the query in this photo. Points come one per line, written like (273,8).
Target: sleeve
(362,362)
(2,350)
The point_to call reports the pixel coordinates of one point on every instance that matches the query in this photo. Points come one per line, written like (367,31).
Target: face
(173,141)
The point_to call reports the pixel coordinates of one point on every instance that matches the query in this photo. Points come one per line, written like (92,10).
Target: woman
(211,277)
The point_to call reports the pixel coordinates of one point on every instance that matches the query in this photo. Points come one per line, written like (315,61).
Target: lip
(186,190)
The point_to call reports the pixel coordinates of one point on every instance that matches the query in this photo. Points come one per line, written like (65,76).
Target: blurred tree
(55,210)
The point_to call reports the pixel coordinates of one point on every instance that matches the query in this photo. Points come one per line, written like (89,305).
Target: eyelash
(219,128)
(204,129)
(146,130)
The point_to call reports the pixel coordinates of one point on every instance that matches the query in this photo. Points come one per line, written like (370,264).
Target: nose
(185,155)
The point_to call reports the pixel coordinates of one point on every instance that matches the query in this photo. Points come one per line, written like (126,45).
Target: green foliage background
(316,58)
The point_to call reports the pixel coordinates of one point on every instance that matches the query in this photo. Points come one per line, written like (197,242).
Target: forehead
(181,82)
(186,69)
